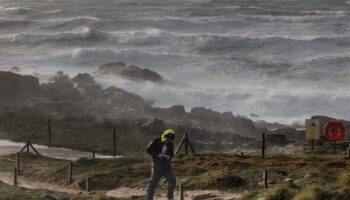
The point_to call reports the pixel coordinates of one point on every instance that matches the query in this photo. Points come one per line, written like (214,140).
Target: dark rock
(84,80)
(291,134)
(276,139)
(15,69)
(141,74)
(132,72)
(112,68)
(18,90)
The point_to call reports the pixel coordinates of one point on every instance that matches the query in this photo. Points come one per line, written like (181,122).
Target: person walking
(162,151)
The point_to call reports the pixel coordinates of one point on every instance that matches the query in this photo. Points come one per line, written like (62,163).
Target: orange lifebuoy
(334,131)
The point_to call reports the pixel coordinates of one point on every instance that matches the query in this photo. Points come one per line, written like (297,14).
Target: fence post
(263,145)
(49,131)
(114,142)
(15,176)
(18,164)
(181,191)
(265,179)
(70,173)
(87,185)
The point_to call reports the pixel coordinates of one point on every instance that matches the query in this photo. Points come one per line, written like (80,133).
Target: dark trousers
(157,174)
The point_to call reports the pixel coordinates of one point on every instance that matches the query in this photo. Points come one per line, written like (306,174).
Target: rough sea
(280,60)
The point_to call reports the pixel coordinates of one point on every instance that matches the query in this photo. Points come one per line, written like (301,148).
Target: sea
(275,60)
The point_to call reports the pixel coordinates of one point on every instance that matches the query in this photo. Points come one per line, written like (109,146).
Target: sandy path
(8,179)
(193,195)
(8,147)
(122,191)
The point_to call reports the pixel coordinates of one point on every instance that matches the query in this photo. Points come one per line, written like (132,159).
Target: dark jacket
(155,147)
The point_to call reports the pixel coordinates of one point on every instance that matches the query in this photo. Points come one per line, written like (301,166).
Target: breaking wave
(16,10)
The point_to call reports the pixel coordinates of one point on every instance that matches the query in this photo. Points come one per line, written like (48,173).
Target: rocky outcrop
(276,139)
(291,134)
(132,72)
(224,122)
(17,90)
(81,95)
(204,118)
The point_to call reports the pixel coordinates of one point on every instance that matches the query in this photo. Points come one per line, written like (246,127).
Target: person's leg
(169,176)
(155,177)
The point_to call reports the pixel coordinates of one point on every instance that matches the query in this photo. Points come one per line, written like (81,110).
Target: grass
(223,172)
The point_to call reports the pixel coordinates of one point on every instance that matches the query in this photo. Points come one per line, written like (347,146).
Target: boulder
(111,68)
(132,72)
(84,80)
(18,90)
(135,72)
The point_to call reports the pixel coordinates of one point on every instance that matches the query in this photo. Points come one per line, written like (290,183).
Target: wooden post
(93,155)
(335,147)
(28,147)
(49,131)
(186,143)
(265,179)
(87,186)
(114,142)
(181,191)
(70,173)
(263,145)
(18,165)
(15,176)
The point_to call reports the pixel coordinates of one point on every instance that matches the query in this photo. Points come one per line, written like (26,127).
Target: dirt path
(8,147)
(124,192)
(8,179)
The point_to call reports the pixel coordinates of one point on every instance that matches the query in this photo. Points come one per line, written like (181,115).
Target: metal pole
(28,146)
(335,147)
(15,176)
(49,131)
(114,142)
(18,165)
(87,184)
(312,144)
(186,143)
(93,155)
(263,146)
(70,173)
(265,179)
(181,192)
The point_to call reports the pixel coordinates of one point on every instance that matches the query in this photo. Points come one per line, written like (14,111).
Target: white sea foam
(16,10)
(282,64)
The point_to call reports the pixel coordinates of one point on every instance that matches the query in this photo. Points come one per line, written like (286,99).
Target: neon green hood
(167,132)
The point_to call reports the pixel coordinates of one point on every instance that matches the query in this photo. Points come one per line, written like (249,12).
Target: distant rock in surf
(15,69)
(18,90)
(132,72)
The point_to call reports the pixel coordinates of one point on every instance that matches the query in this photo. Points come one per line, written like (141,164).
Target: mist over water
(283,60)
